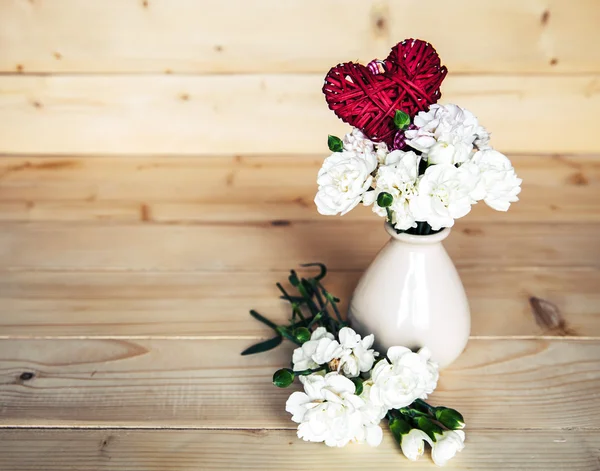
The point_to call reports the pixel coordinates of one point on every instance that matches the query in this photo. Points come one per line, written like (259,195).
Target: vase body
(412,295)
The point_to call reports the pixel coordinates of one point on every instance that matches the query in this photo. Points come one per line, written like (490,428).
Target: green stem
(389,214)
(296,311)
(310,371)
(323,304)
(331,299)
(424,405)
(412,412)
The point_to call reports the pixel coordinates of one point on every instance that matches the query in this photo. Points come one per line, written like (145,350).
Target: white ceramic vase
(411,295)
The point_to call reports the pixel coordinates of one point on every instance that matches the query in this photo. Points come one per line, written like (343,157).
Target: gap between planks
(266,428)
(261,337)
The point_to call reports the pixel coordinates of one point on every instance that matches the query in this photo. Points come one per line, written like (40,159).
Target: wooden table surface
(157,170)
(125,290)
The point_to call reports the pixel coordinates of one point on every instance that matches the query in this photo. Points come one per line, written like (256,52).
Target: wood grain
(190,450)
(249,189)
(265,247)
(36,304)
(185,36)
(545,384)
(196,115)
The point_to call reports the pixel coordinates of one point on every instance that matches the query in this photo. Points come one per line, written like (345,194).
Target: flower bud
(449,418)
(401,119)
(283,378)
(384,199)
(302,334)
(335,144)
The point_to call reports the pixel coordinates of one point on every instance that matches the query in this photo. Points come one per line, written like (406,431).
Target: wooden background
(157,174)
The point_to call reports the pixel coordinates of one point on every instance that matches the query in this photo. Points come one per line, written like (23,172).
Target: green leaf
(283,378)
(335,144)
(263,319)
(302,334)
(264,346)
(401,119)
(428,426)
(359,385)
(294,281)
(399,427)
(384,199)
(322,266)
(449,418)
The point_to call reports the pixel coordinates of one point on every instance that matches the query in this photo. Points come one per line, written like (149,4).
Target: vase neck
(414,239)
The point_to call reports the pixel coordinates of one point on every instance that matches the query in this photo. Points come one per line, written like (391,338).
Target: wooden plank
(249,189)
(340,244)
(217,36)
(281,113)
(37,304)
(190,450)
(206,384)
(562,205)
(258,178)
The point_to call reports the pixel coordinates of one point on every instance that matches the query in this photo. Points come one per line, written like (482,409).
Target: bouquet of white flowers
(349,388)
(442,164)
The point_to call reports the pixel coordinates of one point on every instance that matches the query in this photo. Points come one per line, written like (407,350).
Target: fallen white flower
(329,411)
(413,444)
(447,445)
(320,349)
(407,376)
(357,355)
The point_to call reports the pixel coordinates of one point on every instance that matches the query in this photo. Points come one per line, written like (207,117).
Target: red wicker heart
(411,83)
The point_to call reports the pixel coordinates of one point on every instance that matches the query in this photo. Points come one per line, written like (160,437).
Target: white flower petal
(295,405)
(447,445)
(413,444)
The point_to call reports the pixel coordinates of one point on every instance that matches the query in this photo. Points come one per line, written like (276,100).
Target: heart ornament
(367,99)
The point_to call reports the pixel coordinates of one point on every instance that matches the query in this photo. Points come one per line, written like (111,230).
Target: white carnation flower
(413,444)
(356,141)
(444,194)
(372,416)
(407,376)
(398,177)
(498,182)
(329,411)
(343,180)
(373,412)
(441,153)
(357,356)
(446,133)
(447,445)
(320,349)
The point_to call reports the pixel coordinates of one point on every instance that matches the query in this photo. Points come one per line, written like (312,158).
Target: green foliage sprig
(312,306)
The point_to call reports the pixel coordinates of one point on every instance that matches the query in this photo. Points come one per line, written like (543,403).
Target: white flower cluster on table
(330,410)
(461,170)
